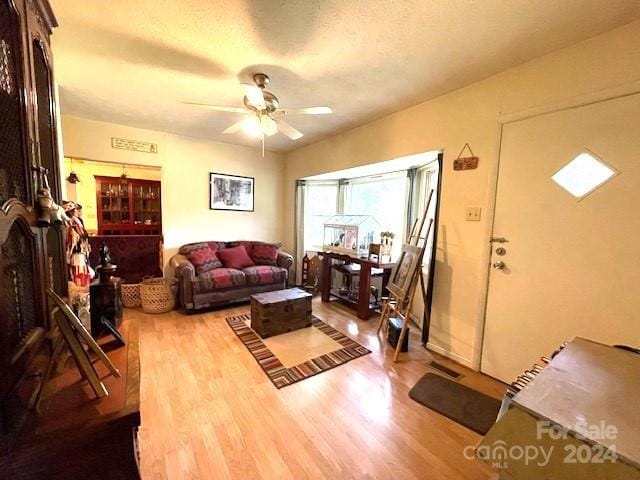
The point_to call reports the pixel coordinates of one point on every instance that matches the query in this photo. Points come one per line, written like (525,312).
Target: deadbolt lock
(501,251)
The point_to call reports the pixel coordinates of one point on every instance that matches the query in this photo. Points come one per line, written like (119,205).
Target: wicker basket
(131,295)
(158,295)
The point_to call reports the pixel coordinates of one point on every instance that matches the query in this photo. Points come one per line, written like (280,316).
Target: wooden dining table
(364,308)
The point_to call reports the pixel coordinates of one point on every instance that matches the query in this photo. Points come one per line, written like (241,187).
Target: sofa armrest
(285,260)
(186,273)
(182,266)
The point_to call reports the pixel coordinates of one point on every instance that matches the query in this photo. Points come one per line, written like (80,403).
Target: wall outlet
(472,214)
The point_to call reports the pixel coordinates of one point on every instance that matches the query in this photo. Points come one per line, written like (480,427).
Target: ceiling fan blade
(288,130)
(306,111)
(219,108)
(235,127)
(254,95)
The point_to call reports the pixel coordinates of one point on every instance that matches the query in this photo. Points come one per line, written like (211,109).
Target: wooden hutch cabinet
(32,260)
(128,207)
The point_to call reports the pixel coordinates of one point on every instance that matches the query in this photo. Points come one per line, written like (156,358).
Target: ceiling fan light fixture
(268,125)
(252,127)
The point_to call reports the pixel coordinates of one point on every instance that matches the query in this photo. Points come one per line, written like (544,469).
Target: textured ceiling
(133,62)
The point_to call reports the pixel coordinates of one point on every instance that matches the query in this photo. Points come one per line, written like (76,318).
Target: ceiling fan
(265,113)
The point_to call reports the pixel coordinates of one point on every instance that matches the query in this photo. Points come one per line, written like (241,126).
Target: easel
(72,335)
(400,301)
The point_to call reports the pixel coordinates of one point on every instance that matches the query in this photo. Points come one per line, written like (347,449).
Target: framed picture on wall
(231,192)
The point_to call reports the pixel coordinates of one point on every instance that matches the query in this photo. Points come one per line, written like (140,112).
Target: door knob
(498,265)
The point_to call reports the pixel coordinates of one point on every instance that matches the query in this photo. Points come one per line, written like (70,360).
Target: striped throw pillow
(204,259)
(263,254)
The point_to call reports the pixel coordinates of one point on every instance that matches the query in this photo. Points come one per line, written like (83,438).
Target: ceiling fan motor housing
(270,100)
(261,79)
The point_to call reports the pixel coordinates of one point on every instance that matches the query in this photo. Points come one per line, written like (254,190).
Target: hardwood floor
(209,412)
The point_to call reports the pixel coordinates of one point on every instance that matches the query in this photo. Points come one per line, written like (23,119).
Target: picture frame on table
(231,192)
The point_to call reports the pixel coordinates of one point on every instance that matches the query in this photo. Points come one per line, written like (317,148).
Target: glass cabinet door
(130,207)
(146,203)
(115,203)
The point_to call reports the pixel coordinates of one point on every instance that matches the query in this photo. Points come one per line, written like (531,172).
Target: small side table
(362,306)
(106,307)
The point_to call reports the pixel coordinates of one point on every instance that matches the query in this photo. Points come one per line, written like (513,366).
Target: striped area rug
(276,371)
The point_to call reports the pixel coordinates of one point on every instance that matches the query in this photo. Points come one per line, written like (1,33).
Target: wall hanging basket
(158,295)
(131,295)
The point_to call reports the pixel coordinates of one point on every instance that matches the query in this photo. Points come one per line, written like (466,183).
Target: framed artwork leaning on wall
(231,192)
(404,270)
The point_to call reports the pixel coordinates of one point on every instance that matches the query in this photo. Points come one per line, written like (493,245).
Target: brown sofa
(222,285)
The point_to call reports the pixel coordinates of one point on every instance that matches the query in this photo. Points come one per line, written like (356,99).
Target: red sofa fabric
(264,275)
(220,278)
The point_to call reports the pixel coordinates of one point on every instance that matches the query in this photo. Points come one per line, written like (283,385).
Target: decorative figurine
(50,213)
(106,269)
(105,255)
(77,247)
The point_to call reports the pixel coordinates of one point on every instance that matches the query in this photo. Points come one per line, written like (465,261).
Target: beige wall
(84,192)
(472,115)
(185,165)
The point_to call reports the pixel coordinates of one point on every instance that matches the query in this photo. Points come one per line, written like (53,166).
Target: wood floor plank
(209,412)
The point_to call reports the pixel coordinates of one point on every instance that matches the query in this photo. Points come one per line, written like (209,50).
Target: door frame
(592,98)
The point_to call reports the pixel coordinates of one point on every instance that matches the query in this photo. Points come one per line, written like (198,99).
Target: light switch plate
(472,214)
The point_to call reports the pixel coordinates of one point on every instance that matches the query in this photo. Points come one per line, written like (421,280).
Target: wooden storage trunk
(282,311)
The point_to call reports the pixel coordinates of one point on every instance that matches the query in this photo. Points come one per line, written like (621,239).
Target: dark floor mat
(458,402)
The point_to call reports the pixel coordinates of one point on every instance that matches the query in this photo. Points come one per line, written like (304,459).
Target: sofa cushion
(204,259)
(235,257)
(265,275)
(189,247)
(264,254)
(219,278)
(248,245)
(215,246)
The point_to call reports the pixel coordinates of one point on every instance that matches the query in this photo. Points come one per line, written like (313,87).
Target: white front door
(571,268)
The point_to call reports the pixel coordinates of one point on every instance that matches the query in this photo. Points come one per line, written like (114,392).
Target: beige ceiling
(133,61)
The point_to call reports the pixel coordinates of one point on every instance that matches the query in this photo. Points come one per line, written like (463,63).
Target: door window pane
(583,175)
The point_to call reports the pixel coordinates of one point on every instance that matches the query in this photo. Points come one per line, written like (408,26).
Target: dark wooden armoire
(31,258)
